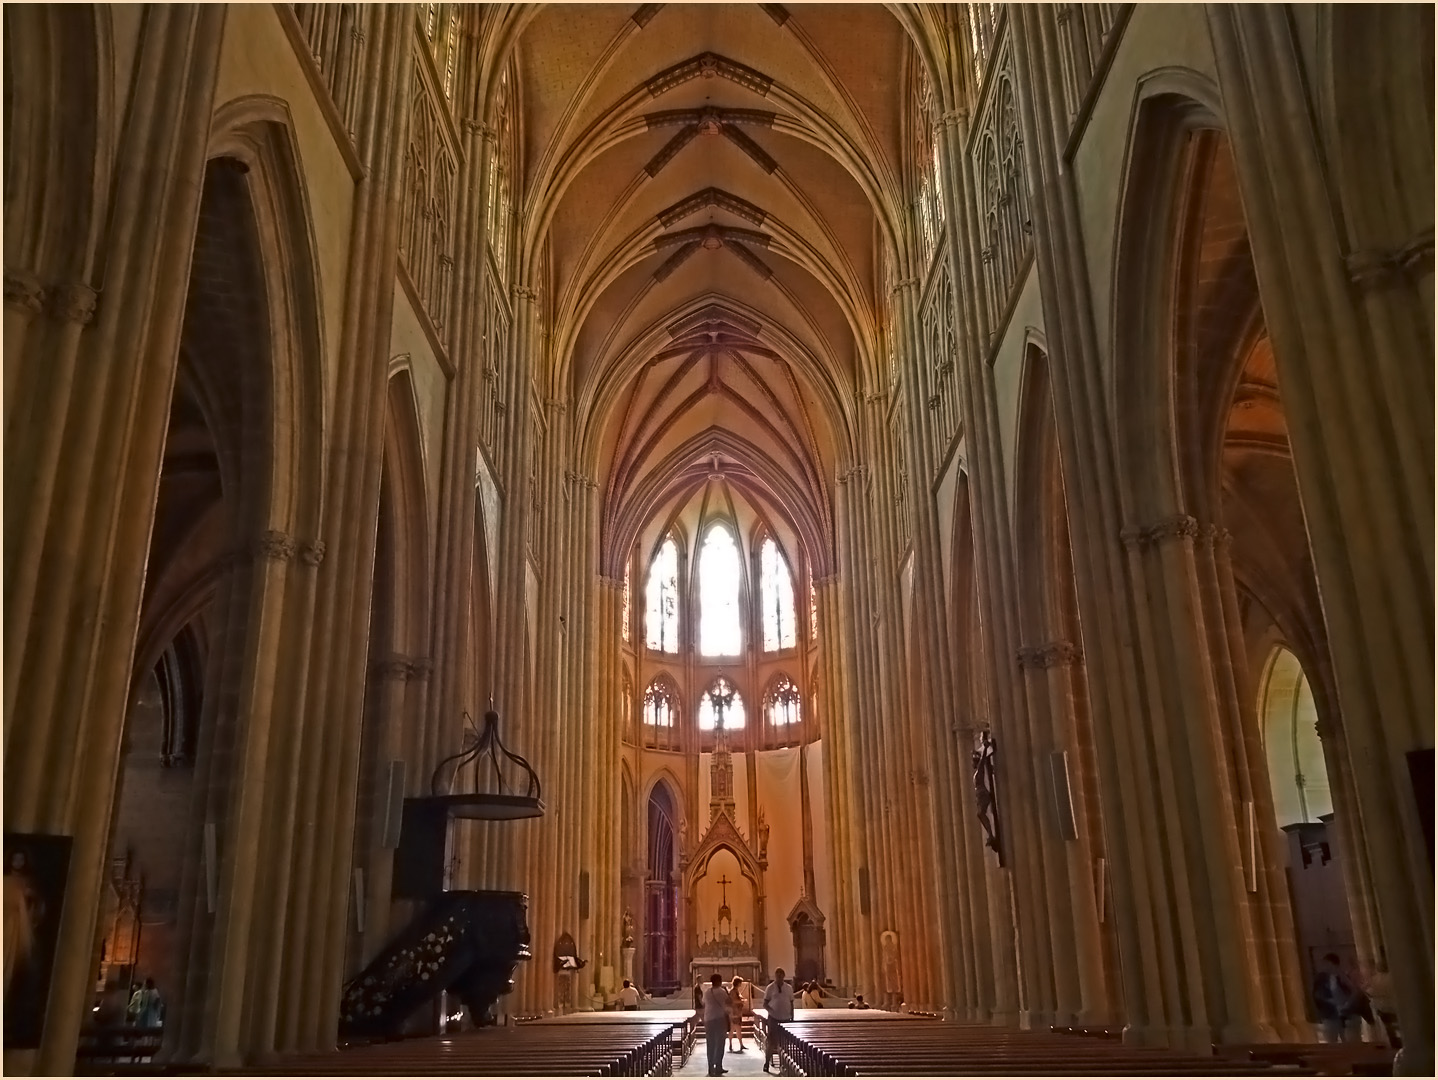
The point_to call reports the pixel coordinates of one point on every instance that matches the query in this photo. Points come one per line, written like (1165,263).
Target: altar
(703,968)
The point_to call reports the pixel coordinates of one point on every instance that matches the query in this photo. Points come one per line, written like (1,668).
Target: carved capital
(313,554)
(934,403)
(276,545)
(1178,527)
(1217,536)
(74,304)
(952,118)
(1051,654)
(24,291)
(421,667)
(524,292)
(906,283)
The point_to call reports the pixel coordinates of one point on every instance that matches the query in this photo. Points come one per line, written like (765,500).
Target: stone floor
(748,1063)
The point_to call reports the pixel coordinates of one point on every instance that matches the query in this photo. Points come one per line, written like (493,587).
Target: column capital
(74,303)
(524,292)
(313,554)
(274,544)
(906,283)
(24,291)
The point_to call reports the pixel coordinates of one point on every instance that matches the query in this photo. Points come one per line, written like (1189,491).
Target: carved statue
(763,834)
(889,957)
(988,806)
(683,837)
(627,929)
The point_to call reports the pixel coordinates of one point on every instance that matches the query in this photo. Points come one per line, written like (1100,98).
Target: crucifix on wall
(725,915)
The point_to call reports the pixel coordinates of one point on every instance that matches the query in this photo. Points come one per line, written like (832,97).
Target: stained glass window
(813,612)
(721,698)
(661,599)
(719,577)
(776,591)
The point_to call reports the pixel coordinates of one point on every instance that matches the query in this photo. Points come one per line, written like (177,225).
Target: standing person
(1334,999)
(716,1023)
(629,997)
(779,1001)
(736,1012)
(146,1008)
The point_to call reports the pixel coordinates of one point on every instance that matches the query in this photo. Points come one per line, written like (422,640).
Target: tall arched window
(783,705)
(776,591)
(928,170)
(813,612)
(500,172)
(661,599)
(719,578)
(658,705)
(721,698)
(1296,767)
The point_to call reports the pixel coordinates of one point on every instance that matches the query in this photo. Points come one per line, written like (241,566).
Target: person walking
(779,1003)
(1334,999)
(716,1023)
(737,1002)
(146,1009)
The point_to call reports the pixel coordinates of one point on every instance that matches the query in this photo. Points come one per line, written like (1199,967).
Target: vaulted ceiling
(708,191)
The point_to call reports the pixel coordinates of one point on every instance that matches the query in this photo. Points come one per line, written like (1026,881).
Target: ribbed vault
(712,191)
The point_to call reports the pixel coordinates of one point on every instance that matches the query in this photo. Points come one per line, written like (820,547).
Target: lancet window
(661,615)
(983,22)
(721,699)
(776,592)
(720,633)
(783,708)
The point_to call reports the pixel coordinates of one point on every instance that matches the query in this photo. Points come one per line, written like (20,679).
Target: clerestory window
(776,591)
(719,579)
(661,599)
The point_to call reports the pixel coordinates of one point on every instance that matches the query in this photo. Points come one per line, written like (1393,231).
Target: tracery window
(983,19)
(626,708)
(813,613)
(501,171)
(784,703)
(721,697)
(661,599)
(720,633)
(928,169)
(659,707)
(776,592)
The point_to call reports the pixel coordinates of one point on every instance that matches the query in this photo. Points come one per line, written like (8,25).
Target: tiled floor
(748,1063)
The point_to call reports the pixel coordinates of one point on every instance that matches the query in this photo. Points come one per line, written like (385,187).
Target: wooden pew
(541,1048)
(1325,1059)
(107,1050)
(858,1043)
(682,1035)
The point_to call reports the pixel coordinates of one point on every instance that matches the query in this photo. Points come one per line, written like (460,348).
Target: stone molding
(1386,268)
(1050,654)
(400,668)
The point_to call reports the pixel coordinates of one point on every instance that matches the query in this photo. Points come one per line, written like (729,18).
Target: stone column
(88,505)
(1368,507)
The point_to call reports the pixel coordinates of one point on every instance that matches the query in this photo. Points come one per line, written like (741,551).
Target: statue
(763,834)
(889,965)
(683,837)
(627,929)
(984,790)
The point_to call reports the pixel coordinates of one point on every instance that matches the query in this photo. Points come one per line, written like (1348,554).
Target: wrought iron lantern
(505,786)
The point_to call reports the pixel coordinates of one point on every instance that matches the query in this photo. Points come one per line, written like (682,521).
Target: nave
(506,500)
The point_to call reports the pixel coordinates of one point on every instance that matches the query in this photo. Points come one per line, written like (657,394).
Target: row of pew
(841,1042)
(582,1044)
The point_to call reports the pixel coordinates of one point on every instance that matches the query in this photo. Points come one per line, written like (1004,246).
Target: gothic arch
(58,120)
(257,133)
(1170,108)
